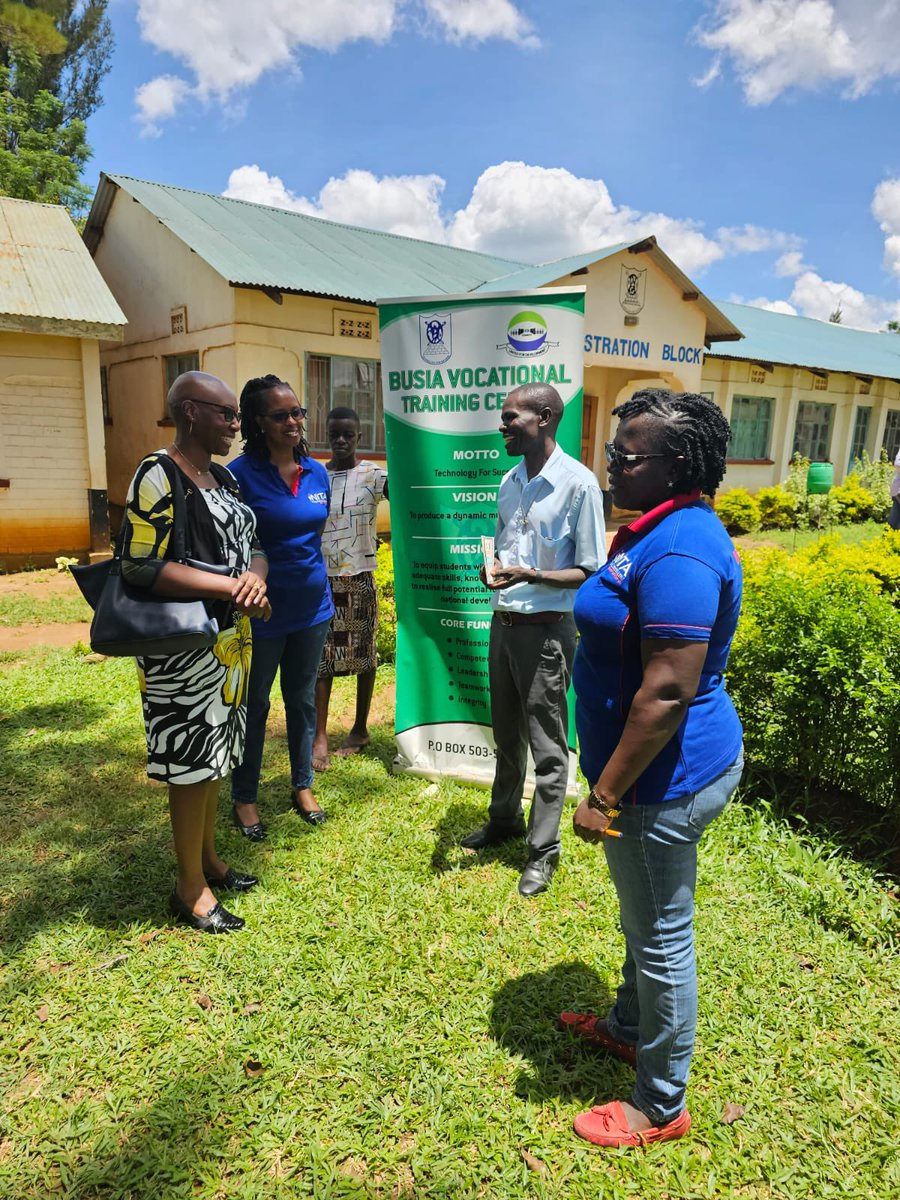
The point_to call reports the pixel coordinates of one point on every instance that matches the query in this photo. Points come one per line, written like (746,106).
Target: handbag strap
(177,549)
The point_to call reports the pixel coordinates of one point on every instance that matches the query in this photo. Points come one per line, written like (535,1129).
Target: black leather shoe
(253,833)
(492,835)
(233,881)
(217,920)
(311,818)
(537,875)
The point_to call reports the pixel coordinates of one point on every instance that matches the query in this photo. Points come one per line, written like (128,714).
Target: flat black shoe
(492,835)
(217,920)
(311,818)
(537,875)
(253,833)
(233,881)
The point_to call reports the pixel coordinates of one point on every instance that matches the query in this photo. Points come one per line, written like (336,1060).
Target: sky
(757,139)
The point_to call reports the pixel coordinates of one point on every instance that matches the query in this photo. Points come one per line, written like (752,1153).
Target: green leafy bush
(875,475)
(386,632)
(777,508)
(738,511)
(815,665)
(853,502)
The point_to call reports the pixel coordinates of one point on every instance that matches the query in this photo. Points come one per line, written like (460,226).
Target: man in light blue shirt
(550,538)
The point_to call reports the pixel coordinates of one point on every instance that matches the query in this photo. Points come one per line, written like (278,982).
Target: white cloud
(479,20)
(518,211)
(886,210)
(158,100)
(775,45)
(538,214)
(818,297)
(778,306)
(228,44)
(791,264)
(409,205)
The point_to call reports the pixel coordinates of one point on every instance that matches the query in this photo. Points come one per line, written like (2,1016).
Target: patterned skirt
(195,708)
(350,644)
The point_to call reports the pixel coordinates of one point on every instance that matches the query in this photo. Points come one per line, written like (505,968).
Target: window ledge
(750,462)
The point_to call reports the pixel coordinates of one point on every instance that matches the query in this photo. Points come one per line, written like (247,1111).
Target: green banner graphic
(448,363)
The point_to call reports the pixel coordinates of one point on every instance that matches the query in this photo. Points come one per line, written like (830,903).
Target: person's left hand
(249,593)
(589,824)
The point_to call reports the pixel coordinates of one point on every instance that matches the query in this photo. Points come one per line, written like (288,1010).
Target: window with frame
(860,441)
(176,364)
(891,440)
(334,382)
(751,427)
(812,432)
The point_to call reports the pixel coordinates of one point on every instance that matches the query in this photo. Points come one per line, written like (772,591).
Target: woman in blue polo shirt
(661,743)
(289,493)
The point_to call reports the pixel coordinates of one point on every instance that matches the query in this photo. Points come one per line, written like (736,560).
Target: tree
(53,57)
(837,316)
(41,154)
(893,326)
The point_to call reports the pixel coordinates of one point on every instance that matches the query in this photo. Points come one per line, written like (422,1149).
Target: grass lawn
(385,1025)
(799,539)
(39,598)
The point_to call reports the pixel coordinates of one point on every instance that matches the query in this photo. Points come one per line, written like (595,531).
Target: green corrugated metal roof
(544,273)
(48,281)
(259,246)
(771,337)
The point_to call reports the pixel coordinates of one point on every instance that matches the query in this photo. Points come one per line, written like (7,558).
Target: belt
(530,618)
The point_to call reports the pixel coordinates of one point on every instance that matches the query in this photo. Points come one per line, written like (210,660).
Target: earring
(191,430)
(670,484)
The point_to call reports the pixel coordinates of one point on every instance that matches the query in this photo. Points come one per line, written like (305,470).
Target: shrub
(738,511)
(777,508)
(875,475)
(852,501)
(386,632)
(815,664)
(817,512)
(798,472)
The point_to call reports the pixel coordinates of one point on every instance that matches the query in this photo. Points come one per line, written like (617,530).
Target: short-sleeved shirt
(895,482)
(552,521)
(348,539)
(289,528)
(680,580)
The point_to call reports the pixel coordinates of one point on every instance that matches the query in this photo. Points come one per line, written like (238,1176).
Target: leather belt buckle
(506,618)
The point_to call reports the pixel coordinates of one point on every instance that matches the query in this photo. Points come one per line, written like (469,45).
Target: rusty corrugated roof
(48,280)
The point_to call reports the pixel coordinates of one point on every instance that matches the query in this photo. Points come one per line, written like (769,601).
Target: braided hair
(253,406)
(692,428)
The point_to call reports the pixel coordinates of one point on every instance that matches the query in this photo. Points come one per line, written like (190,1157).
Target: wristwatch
(601,806)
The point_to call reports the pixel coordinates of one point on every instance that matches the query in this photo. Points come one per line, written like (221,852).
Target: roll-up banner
(447,365)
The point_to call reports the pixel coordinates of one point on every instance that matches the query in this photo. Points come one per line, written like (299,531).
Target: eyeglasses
(615,457)
(225,411)
(296,413)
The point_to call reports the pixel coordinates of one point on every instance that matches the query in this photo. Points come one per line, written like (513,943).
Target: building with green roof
(242,289)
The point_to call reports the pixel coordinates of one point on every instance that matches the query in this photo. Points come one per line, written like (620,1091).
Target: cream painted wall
(44,452)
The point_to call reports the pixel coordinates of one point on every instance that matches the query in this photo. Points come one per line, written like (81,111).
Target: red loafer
(591,1028)
(607,1125)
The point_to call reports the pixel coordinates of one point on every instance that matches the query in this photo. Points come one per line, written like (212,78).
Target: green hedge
(815,666)
(386,633)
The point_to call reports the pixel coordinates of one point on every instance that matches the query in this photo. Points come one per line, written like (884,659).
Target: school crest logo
(632,289)
(527,335)
(435,337)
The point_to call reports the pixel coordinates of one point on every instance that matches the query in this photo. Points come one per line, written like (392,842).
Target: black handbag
(132,621)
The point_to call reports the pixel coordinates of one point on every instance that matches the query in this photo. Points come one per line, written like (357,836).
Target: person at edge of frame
(550,538)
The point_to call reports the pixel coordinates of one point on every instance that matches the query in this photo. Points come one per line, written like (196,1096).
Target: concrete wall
(51,446)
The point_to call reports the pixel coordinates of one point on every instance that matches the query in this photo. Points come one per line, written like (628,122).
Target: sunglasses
(296,413)
(225,411)
(615,457)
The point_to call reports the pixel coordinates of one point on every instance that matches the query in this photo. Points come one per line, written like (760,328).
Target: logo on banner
(527,336)
(435,338)
(632,289)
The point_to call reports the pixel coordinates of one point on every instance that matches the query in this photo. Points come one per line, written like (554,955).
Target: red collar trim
(649,520)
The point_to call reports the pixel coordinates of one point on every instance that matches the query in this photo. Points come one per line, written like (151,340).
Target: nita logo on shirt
(318,497)
(620,566)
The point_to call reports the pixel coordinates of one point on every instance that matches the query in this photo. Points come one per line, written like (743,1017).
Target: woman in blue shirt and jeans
(289,493)
(661,743)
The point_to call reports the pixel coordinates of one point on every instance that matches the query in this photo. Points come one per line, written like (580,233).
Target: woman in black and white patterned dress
(195,704)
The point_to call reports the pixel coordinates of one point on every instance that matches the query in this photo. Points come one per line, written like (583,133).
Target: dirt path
(24,637)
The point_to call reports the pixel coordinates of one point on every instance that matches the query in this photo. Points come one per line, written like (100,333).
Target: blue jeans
(654,868)
(298,656)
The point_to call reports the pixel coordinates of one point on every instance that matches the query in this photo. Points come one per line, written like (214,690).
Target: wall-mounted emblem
(632,289)
(435,337)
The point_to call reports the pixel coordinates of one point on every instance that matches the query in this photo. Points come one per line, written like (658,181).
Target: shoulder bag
(132,621)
